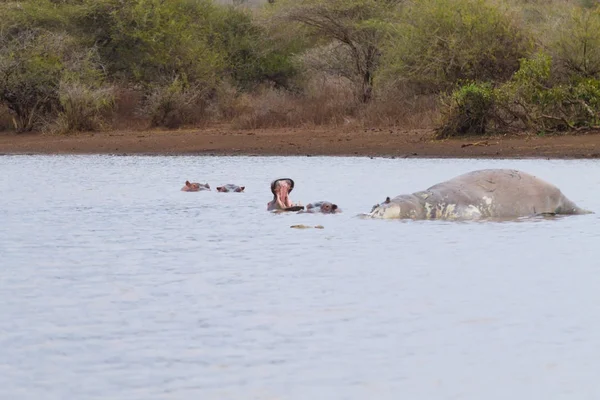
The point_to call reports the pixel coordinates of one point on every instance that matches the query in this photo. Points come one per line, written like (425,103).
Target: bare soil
(334,141)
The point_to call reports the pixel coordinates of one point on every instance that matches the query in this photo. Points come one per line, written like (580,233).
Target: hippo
(481,194)
(324,207)
(194,187)
(230,188)
(281,188)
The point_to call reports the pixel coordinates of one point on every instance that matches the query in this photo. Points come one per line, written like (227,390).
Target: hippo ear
(187,183)
(242,188)
(334,207)
(387,200)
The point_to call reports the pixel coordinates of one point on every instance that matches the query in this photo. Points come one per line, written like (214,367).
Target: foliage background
(463,67)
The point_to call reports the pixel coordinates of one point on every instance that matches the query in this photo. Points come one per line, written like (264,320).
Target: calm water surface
(116,285)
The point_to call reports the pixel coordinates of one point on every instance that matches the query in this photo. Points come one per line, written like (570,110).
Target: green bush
(532,100)
(468,111)
(440,42)
(145,40)
(251,56)
(83,108)
(537,101)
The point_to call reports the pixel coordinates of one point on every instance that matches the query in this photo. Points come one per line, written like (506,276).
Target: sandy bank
(338,141)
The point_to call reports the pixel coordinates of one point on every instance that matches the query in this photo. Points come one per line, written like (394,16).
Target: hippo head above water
(194,186)
(281,189)
(230,188)
(324,207)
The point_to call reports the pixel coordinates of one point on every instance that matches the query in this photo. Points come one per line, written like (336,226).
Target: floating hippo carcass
(230,188)
(488,193)
(324,207)
(281,189)
(194,187)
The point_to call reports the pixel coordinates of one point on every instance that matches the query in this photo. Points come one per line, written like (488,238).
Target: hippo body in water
(194,187)
(324,207)
(231,188)
(489,193)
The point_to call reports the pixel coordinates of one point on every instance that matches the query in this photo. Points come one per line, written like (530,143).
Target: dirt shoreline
(322,141)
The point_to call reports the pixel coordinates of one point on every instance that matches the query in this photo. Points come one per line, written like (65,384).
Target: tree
(356,25)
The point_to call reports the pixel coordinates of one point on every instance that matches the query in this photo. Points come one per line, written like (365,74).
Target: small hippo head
(194,186)
(324,207)
(404,206)
(281,188)
(231,188)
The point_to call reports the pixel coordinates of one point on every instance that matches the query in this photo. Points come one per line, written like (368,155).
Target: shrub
(146,40)
(576,44)
(252,55)
(32,65)
(31,68)
(83,108)
(5,118)
(175,104)
(441,42)
(325,101)
(538,102)
(399,108)
(468,112)
(531,100)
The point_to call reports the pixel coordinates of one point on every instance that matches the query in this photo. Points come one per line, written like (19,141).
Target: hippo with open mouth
(488,193)
(281,189)
(231,188)
(194,187)
(324,207)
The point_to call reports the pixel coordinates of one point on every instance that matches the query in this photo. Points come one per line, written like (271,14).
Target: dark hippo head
(231,188)
(194,187)
(281,189)
(324,207)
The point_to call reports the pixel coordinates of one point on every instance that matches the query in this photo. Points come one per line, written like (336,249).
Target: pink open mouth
(281,189)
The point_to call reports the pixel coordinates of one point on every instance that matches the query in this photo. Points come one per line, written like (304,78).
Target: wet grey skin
(324,207)
(481,194)
(231,188)
(194,187)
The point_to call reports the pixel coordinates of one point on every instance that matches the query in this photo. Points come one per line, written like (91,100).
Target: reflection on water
(117,285)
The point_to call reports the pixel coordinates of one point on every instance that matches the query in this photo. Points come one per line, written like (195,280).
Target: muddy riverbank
(338,141)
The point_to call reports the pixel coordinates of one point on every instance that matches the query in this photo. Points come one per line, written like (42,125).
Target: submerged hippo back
(500,193)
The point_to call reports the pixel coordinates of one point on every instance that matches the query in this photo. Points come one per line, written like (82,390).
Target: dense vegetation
(463,66)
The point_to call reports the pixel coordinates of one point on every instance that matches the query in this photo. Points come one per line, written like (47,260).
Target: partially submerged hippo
(230,188)
(194,187)
(281,189)
(324,207)
(489,193)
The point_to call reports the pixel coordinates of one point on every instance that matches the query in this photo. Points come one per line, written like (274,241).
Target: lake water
(114,284)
